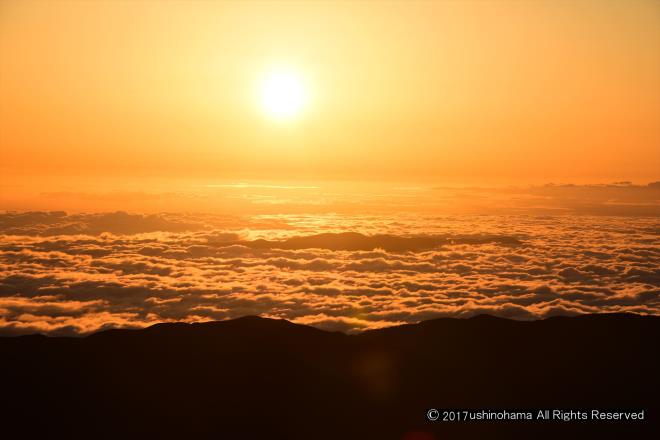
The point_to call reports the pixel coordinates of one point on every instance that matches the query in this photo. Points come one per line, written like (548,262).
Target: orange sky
(508,91)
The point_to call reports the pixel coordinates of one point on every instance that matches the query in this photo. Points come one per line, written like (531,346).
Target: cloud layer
(75,274)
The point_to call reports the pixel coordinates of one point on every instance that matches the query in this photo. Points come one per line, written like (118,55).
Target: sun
(283,94)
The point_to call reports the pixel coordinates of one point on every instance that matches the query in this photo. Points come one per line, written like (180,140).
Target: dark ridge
(258,378)
(254,322)
(354,241)
(266,327)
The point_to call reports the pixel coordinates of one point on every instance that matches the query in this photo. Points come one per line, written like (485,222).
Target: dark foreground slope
(254,378)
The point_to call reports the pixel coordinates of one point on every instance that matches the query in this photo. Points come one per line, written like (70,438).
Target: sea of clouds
(72,274)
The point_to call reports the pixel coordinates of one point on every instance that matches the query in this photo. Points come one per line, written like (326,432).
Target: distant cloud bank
(242,199)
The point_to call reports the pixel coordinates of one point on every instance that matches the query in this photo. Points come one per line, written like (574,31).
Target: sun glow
(283,94)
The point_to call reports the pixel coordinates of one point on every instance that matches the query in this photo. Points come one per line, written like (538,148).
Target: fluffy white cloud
(138,270)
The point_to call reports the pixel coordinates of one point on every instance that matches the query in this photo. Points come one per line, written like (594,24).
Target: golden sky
(513,91)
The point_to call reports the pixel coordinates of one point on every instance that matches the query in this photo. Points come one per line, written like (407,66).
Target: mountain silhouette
(257,378)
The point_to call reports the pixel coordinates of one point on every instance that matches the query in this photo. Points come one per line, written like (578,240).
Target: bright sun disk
(283,94)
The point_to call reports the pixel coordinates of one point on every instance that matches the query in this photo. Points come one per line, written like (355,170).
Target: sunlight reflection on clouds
(63,275)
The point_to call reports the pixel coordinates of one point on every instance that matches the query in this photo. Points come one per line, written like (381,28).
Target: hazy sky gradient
(509,91)
(139,171)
